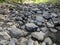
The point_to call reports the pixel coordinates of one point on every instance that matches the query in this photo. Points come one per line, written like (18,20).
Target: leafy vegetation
(31,1)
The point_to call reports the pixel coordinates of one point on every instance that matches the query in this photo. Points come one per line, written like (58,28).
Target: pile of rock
(29,24)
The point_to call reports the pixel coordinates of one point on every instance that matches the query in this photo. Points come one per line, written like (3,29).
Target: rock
(17,33)
(3,11)
(10,23)
(13,26)
(56,21)
(13,41)
(46,15)
(48,41)
(22,41)
(38,35)
(31,27)
(30,42)
(58,27)
(4,35)
(50,25)
(54,43)
(58,36)
(18,19)
(38,29)
(7,20)
(43,43)
(44,29)
(53,15)
(4,42)
(1,23)
(52,35)
(39,20)
(36,43)
(39,12)
(20,22)
(53,30)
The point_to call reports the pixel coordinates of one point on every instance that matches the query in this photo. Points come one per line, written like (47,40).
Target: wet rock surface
(29,24)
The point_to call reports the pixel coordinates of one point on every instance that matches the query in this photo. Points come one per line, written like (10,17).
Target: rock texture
(29,24)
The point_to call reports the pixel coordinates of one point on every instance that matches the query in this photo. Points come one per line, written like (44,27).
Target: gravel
(29,24)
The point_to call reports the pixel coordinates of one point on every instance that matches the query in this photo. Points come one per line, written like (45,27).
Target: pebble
(43,43)
(48,41)
(36,43)
(38,35)
(17,33)
(12,41)
(30,42)
(31,27)
(4,35)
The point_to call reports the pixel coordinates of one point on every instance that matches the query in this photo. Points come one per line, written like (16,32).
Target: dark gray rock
(18,19)
(58,36)
(17,33)
(31,27)
(55,21)
(46,15)
(39,20)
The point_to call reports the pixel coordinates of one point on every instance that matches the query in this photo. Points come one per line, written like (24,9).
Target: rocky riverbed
(29,24)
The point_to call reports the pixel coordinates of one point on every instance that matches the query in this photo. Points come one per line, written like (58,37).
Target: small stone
(30,42)
(46,15)
(43,43)
(1,23)
(10,23)
(13,26)
(55,20)
(53,30)
(31,27)
(22,41)
(39,19)
(7,20)
(39,12)
(53,15)
(48,41)
(38,35)
(36,43)
(58,27)
(17,33)
(4,35)
(13,41)
(50,25)
(44,29)
(18,19)
(54,43)
(4,42)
